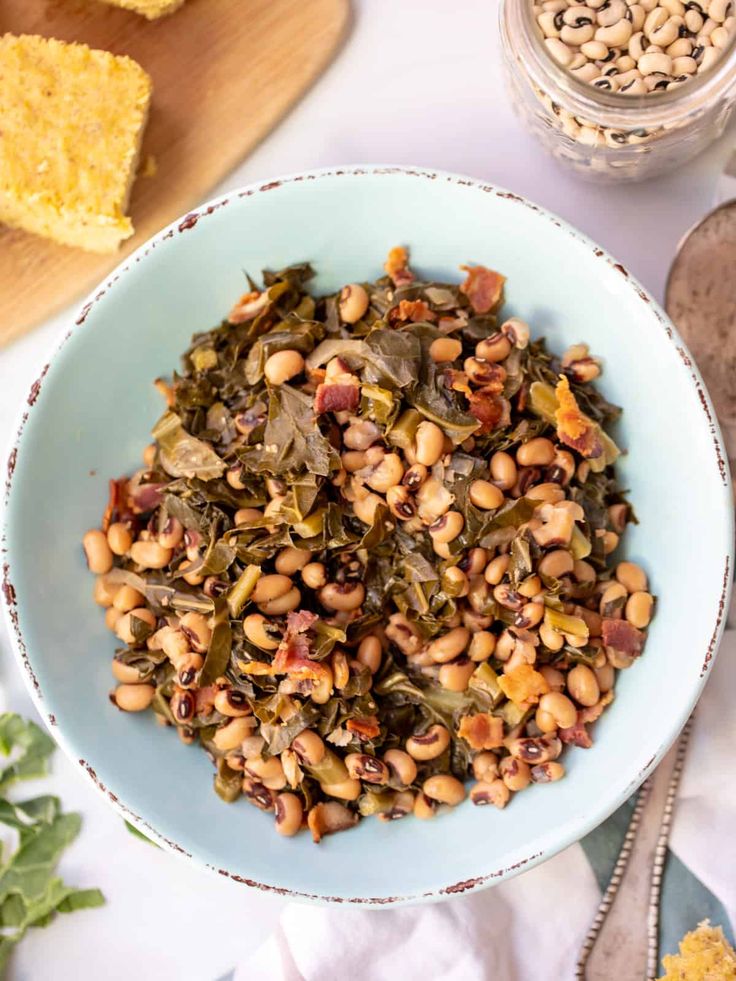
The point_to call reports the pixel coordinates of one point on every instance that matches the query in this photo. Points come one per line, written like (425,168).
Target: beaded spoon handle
(622,942)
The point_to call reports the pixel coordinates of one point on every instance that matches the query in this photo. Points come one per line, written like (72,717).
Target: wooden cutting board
(224,72)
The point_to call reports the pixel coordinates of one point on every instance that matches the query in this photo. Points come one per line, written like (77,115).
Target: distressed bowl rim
(568,834)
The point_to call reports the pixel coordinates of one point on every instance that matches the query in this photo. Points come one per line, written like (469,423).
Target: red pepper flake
(483,287)
(364,728)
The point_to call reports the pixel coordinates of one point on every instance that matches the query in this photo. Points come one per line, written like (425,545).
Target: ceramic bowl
(91,412)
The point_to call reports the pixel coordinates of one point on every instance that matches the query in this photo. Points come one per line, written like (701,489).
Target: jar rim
(627,110)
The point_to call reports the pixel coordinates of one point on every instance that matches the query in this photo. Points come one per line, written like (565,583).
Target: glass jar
(607,136)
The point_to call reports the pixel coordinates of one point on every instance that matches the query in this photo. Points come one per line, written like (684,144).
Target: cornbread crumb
(149,8)
(705,955)
(72,123)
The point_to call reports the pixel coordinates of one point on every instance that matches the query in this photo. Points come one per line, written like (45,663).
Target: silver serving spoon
(700,297)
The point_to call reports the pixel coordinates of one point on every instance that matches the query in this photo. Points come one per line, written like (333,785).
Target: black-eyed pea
(613,601)
(446,528)
(386,474)
(105,591)
(132,698)
(639,609)
(516,774)
(173,643)
(496,792)
(281,604)
(485,766)
(424,807)
(150,555)
(455,675)
(126,674)
(244,516)
(370,653)
(530,587)
(362,766)
(485,495)
(323,687)
(632,577)
(496,569)
(232,703)
(270,772)
(507,597)
(605,676)
(314,575)
(455,582)
(365,508)
(482,645)
(445,349)
(495,348)
(610,541)
(289,814)
(560,708)
(516,331)
(342,597)
(290,560)
(111,618)
(401,766)
(127,598)
(547,772)
(582,685)
(534,749)
(583,571)
(283,366)
(187,669)
(547,493)
(445,789)
(309,747)
(505,646)
(97,551)
(119,538)
(529,616)
(349,789)
(429,745)
(536,452)
(124,625)
(271,587)
(257,630)
(474,561)
(352,303)
(232,734)
(503,470)
(429,443)
(450,645)
(172,533)
(197,630)
(554,678)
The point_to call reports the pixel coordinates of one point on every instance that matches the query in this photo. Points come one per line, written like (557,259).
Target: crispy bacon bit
(336,398)
(483,287)
(248,307)
(292,656)
(593,712)
(490,409)
(575,429)
(365,728)
(397,266)
(204,700)
(523,685)
(622,636)
(299,621)
(481,731)
(576,735)
(412,311)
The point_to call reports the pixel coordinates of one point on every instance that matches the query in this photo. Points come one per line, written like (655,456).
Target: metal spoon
(700,297)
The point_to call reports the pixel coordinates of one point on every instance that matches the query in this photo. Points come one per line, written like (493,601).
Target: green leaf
(218,654)
(183,455)
(31,745)
(139,834)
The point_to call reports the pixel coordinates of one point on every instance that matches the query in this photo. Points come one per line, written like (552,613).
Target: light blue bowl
(91,413)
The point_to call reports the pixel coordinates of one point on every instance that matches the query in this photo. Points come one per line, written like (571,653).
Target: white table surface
(417,82)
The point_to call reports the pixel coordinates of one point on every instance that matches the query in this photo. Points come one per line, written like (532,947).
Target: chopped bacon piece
(116,498)
(299,621)
(481,731)
(292,656)
(593,712)
(622,636)
(413,311)
(575,429)
(483,287)
(365,728)
(576,735)
(204,700)
(490,409)
(397,266)
(523,684)
(336,398)
(248,307)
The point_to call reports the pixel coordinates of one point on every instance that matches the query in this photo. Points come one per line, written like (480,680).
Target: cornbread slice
(149,8)
(71,122)
(705,955)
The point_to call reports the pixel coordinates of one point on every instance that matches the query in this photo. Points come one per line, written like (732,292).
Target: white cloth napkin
(530,927)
